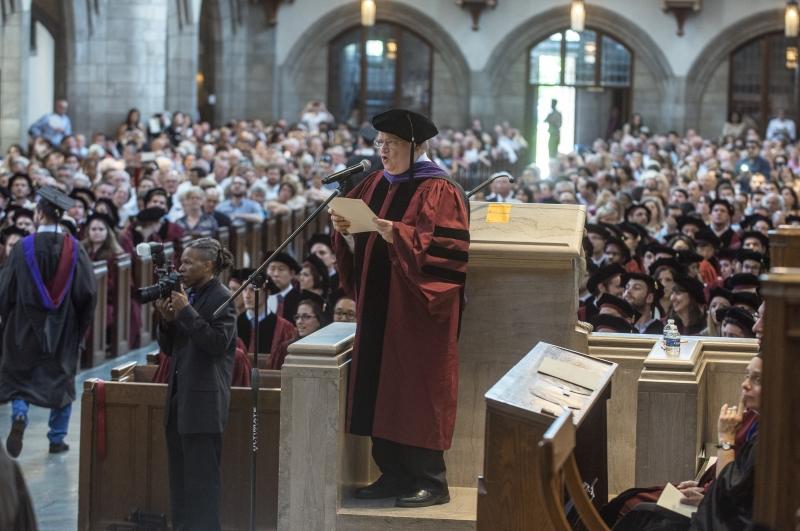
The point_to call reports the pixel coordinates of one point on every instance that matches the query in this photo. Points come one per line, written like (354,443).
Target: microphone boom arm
(489,181)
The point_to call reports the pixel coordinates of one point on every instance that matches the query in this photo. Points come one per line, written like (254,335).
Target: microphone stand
(254,375)
(489,181)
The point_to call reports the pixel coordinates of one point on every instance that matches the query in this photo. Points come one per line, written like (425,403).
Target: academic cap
(720,292)
(747,254)
(408,125)
(757,235)
(690,220)
(693,287)
(611,323)
(284,258)
(105,218)
(617,303)
(752,219)
(306,295)
(594,228)
(742,281)
(604,273)
(723,202)
(240,275)
(707,236)
(746,298)
(59,199)
(670,263)
(652,284)
(740,317)
(151,214)
(659,248)
(688,257)
(319,238)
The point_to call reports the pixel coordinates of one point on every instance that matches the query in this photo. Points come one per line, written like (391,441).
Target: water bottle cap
(670,321)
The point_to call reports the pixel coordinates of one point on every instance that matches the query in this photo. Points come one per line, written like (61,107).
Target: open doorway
(589,76)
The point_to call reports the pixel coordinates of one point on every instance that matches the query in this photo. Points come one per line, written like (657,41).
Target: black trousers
(194,477)
(419,468)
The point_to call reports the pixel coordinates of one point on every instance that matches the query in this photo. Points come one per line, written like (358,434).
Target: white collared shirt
(272,300)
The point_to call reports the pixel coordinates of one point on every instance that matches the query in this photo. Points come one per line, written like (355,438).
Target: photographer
(202,350)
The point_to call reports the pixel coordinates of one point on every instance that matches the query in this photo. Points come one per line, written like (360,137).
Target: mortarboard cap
(53,195)
(408,125)
(693,287)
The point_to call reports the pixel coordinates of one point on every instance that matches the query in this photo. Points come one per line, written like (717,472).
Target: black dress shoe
(422,498)
(57,448)
(14,441)
(384,487)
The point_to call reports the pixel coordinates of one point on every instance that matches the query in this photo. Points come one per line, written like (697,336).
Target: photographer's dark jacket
(47,300)
(202,348)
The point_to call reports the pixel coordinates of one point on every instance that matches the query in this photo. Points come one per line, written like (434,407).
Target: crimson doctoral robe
(404,371)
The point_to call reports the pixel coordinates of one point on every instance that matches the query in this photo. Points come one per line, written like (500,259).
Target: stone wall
(714,106)
(111,56)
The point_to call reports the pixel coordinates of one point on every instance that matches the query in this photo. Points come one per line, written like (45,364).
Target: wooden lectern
(519,410)
(522,288)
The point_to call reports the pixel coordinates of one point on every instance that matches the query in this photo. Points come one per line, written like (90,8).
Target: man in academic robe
(47,299)
(407,278)
(272,329)
(283,295)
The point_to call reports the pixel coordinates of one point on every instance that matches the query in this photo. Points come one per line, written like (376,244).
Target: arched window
(375,68)
(760,82)
(589,75)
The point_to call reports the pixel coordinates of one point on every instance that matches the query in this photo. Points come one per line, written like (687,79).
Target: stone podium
(522,288)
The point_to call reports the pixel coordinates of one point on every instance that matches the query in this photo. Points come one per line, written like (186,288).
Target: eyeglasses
(345,314)
(304,317)
(388,144)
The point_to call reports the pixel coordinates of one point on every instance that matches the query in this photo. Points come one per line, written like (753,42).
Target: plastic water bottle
(672,340)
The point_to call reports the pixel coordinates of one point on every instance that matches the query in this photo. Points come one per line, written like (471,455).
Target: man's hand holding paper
(352,216)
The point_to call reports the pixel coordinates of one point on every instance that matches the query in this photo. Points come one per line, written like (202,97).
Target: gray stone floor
(53,479)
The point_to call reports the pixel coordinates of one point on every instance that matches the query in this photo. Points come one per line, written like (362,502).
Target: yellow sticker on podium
(498,213)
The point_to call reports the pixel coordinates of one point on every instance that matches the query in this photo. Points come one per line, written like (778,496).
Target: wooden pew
(143,276)
(238,236)
(271,235)
(298,216)
(510,495)
(284,230)
(255,243)
(777,491)
(224,237)
(120,270)
(784,246)
(133,473)
(95,351)
(558,469)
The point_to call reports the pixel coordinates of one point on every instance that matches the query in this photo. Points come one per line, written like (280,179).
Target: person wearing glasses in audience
(308,319)
(344,311)
(408,279)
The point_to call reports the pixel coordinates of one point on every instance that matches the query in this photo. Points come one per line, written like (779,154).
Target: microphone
(340,176)
(146,250)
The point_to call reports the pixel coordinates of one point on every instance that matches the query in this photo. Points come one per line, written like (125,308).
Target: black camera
(167,279)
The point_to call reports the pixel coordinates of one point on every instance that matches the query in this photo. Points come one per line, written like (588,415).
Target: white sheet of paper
(671,499)
(571,373)
(357,212)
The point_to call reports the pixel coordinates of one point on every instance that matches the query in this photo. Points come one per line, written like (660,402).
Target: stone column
(14,79)
(182,58)
(313,459)
(119,64)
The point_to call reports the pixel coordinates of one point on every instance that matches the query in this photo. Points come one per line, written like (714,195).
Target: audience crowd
(677,224)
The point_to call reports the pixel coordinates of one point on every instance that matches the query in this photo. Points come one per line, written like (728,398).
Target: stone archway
(502,82)
(715,56)
(305,70)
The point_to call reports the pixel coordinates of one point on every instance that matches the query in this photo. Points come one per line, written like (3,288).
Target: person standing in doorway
(553,122)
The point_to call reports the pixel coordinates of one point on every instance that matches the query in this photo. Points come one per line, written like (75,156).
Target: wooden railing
(247,242)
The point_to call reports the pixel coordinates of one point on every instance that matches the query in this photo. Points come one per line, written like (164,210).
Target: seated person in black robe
(273,329)
(727,504)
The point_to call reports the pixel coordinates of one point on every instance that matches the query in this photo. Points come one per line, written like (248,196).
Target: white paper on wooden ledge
(357,212)
(671,499)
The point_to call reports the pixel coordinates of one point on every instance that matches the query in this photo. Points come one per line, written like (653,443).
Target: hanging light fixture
(791,19)
(791,57)
(577,16)
(368,12)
